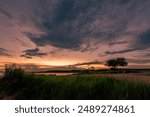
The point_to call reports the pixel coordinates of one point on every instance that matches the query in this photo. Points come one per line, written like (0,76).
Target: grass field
(85,87)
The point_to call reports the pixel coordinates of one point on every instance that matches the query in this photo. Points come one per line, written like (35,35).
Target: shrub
(13,71)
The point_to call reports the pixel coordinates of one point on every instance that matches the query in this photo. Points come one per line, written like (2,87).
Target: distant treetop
(114,63)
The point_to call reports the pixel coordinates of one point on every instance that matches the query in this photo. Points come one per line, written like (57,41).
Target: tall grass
(13,71)
(72,87)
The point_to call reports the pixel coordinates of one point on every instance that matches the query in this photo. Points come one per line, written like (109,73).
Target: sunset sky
(74,32)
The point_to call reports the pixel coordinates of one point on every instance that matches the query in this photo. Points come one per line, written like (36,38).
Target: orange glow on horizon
(41,63)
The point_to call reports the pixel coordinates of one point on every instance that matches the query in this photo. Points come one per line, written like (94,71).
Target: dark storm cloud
(3,52)
(67,24)
(33,52)
(72,22)
(143,40)
(124,2)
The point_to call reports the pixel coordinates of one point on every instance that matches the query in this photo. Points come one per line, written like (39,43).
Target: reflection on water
(52,73)
(57,74)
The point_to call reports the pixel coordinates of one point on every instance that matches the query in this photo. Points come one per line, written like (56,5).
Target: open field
(87,86)
(134,77)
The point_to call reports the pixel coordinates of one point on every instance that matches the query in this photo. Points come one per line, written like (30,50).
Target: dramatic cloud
(72,22)
(120,52)
(143,40)
(74,31)
(33,52)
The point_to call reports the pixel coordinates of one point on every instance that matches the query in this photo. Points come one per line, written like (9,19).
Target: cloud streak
(3,52)
(120,52)
(87,63)
(139,61)
(33,53)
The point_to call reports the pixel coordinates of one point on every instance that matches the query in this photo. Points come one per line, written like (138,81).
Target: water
(55,73)
(52,73)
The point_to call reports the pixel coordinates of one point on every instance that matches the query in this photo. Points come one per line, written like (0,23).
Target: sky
(76,33)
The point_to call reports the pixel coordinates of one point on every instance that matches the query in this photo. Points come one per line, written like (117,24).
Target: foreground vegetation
(30,86)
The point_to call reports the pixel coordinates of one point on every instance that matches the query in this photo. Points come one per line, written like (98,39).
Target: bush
(13,71)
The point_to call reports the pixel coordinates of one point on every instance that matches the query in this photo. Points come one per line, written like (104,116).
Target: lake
(52,73)
(55,73)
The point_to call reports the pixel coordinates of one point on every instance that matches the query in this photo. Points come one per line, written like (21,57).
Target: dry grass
(135,77)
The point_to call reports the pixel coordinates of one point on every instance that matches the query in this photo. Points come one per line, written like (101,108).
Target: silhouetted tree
(111,63)
(122,62)
(114,63)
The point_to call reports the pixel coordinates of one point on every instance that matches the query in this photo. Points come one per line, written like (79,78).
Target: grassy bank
(71,87)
